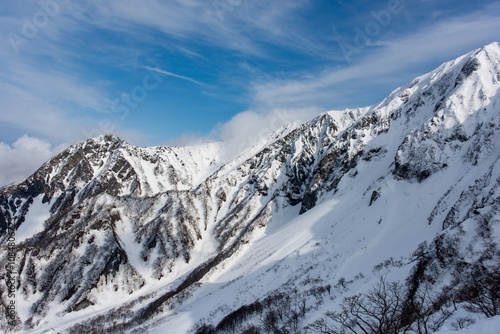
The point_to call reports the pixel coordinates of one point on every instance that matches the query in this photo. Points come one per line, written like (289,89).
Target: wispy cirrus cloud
(64,80)
(248,27)
(395,60)
(46,102)
(49,80)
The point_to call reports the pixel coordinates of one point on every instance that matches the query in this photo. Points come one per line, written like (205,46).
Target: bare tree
(377,312)
(481,292)
(429,313)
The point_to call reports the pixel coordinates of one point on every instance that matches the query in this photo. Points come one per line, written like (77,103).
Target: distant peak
(492,51)
(107,138)
(492,46)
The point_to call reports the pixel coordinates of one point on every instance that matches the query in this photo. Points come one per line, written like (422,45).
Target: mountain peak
(330,204)
(106,138)
(493,47)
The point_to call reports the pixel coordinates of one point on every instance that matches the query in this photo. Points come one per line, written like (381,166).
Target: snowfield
(173,240)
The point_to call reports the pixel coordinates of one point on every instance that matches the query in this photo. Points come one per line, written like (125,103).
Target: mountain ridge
(126,221)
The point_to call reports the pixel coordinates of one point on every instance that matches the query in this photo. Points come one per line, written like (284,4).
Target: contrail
(175,75)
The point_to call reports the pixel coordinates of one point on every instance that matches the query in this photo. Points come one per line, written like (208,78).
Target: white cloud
(24,157)
(248,128)
(58,102)
(239,25)
(393,60)
(42,95)
(390,62)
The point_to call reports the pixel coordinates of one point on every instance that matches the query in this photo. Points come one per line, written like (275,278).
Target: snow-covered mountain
(113,237)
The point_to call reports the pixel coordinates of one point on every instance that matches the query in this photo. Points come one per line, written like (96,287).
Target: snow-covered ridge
(172,234)
(159,169)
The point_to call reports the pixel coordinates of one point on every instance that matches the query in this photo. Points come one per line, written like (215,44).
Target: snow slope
(345,236)
(487,326)
(166,239)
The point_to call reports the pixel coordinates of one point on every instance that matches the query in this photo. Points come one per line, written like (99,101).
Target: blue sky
(182,71)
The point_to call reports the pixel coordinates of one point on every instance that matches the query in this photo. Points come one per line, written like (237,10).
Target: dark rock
(375,196)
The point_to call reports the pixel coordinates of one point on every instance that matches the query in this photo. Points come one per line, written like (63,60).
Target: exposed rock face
(118,219)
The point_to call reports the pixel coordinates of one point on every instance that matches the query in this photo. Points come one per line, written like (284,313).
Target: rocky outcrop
(118,219)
